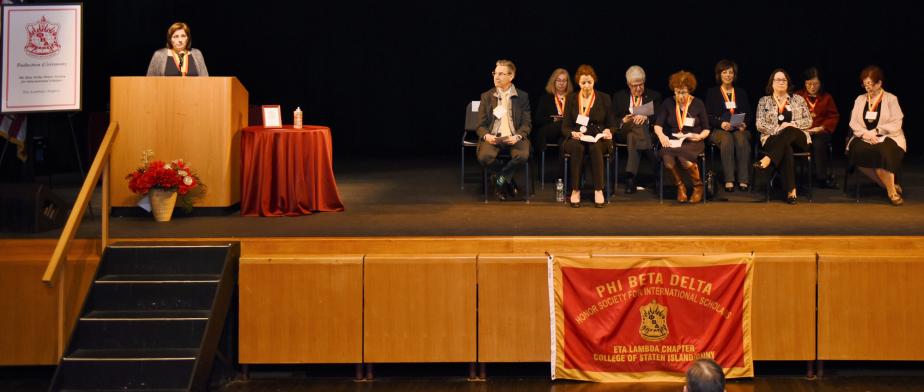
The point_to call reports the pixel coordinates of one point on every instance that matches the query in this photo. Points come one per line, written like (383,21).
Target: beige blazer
(890,120)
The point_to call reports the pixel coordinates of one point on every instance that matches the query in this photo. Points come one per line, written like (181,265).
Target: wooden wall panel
(419,308)
(513,308)
(597,245)
(783,307)
(30,329)
(870,307)
(301,310)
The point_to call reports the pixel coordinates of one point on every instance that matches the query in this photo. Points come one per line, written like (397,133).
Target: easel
(70,124)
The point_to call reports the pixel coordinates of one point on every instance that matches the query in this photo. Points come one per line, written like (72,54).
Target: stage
(422,197)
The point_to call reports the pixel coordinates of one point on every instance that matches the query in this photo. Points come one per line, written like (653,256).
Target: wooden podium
(198,119)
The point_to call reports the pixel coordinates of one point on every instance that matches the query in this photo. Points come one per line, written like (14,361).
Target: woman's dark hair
(813,73)
(723,65)
(788,81)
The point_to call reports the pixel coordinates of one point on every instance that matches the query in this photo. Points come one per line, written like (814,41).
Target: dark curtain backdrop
(393,78)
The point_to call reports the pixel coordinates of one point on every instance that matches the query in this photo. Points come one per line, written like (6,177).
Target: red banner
(647,319)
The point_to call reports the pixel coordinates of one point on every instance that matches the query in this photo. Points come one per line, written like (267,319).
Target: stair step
(156,354)
(123,390)
(123,375)
(157,278)
(137,333)
(140,315)
(146,296)
(165,260)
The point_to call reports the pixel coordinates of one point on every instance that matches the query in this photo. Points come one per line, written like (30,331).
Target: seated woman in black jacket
(547,124)
(588,123)
(722,102)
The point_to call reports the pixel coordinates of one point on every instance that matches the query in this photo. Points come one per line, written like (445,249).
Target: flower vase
(162,203)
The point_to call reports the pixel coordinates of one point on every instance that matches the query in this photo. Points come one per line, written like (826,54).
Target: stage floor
(423,198)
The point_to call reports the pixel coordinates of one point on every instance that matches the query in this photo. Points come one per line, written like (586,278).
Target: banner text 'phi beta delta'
(632,319)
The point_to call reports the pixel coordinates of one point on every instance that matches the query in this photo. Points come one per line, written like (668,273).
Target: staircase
(152,318)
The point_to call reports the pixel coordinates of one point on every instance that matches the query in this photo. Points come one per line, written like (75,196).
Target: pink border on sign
(6,93)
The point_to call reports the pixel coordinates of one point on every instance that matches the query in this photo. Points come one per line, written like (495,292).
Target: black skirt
(688,151)
(886,155)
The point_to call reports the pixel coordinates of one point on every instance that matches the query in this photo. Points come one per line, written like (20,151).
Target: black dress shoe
(630,185)
(599,205)
(828,183)
(576,205)
(513,192)
(500,194)
(729,188)
(792,199)
(743,187)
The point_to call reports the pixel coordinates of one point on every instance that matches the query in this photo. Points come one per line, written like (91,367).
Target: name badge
(582,119)
(872,115)
(730,105)
(500,112)
(689,122)
(788,107)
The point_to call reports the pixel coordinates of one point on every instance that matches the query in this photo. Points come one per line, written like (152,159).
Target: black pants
(735,149)
(575,148)
(780,149)
(519,154)
(637,145)
(820,147)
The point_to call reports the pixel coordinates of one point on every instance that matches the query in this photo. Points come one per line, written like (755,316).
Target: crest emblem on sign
(654,322)
(43,38)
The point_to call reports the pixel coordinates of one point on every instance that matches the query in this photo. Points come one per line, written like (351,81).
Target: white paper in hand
(476,105)
(736,119)
(644,110)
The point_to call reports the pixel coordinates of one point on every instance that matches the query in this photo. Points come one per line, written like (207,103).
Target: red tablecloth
(287,171)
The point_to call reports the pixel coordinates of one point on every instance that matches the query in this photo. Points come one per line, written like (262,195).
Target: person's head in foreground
(704,375)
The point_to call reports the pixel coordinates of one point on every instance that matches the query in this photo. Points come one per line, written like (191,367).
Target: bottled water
(560,191)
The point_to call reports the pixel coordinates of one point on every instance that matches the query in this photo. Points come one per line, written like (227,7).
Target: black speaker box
(30,208)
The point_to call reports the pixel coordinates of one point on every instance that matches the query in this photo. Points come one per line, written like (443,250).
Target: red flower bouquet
(175,176)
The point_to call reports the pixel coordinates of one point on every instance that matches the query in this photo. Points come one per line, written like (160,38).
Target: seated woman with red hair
(681,126)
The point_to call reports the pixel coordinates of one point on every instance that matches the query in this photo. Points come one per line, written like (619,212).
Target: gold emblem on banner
(654,322)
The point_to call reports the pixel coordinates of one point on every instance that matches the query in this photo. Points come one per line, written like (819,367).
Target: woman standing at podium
(178,59)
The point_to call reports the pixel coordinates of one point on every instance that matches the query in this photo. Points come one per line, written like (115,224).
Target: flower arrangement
(175,176)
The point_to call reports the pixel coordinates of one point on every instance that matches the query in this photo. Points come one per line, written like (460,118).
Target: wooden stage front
(484,299)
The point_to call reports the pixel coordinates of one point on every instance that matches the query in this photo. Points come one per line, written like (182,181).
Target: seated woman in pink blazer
(878,143)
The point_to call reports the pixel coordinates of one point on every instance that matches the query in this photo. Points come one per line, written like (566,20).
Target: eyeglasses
(501,74)
(781,80)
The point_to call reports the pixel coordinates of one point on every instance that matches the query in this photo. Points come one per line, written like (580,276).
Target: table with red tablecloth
(287,171)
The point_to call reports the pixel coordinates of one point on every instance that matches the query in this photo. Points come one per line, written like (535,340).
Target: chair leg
(703,177)
(529,179)
(615,169)
(542,171)
(462,171)
(567,187)
(607,189)
(484,176)
(661,183)
(811,180)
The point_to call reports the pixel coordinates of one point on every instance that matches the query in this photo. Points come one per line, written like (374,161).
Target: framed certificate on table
(272,116)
